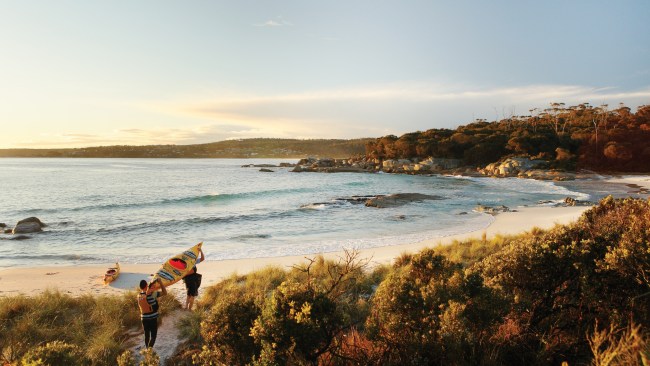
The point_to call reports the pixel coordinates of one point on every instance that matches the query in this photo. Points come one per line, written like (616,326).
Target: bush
(561,281)
(227,330)
(429,311)
(54,353)
(149,357)
(275,316)
(126,359)
(297,324)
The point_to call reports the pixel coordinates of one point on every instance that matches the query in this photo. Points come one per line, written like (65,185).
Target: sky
(123,72)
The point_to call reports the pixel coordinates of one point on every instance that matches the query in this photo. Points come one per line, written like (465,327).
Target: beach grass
(98,325)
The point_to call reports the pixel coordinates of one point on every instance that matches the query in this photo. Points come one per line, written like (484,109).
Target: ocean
(145,210)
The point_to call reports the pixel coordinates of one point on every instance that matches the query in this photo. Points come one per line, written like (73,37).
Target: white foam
(530,186)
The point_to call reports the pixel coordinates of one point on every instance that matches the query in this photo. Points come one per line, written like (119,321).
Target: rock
(324,163)
(287,165)
(307,161)
(421,167)
(511,167)
(267,170)
(32,219)
(8,231)
(28,225)
(399,199)
(3,225)
(570,201)
(264,166)
(21,237)
(491,210)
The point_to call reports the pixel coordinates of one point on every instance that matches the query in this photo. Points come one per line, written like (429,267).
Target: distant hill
(246,148)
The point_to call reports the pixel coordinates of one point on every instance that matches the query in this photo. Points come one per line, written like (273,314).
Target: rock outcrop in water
(28,225)
(365,164)
(521,167)
(399,199)
(491,210)
(378,201)
(525,168)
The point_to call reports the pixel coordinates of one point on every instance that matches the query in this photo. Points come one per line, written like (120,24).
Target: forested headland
(569,137)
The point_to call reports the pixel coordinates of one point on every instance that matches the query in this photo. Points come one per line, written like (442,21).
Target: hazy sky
(86,73)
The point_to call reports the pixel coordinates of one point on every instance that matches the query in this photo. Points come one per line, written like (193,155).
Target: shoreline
(87,279)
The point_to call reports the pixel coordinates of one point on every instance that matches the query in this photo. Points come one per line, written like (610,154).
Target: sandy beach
(77,280)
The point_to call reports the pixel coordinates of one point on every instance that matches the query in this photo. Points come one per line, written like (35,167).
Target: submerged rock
(570,201)
(378,201)
(399,199)
(491,210)
(20,237)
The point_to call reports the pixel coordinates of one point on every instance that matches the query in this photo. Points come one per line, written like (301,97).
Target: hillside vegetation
(571,137)
(576,293)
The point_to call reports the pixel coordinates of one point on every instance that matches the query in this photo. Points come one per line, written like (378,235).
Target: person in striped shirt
(148,303)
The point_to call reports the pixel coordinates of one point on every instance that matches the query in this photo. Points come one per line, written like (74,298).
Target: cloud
(370,111)
(198,134)
(277,22)
(396,108)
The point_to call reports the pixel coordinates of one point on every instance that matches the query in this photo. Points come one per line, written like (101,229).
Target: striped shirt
(153,301)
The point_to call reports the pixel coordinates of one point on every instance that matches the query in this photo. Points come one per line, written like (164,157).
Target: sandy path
(167,339)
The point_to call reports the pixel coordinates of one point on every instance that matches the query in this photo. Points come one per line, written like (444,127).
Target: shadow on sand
(129,280)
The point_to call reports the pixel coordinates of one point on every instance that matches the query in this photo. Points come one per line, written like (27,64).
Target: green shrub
(149,357)
(563,280)
(297,324)
(54,354)
(126,359)
(429,311)
(276,316)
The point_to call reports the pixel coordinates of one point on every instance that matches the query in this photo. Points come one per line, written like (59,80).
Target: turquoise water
(144,210)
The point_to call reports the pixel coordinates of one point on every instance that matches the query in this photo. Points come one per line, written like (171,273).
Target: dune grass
(98,325)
